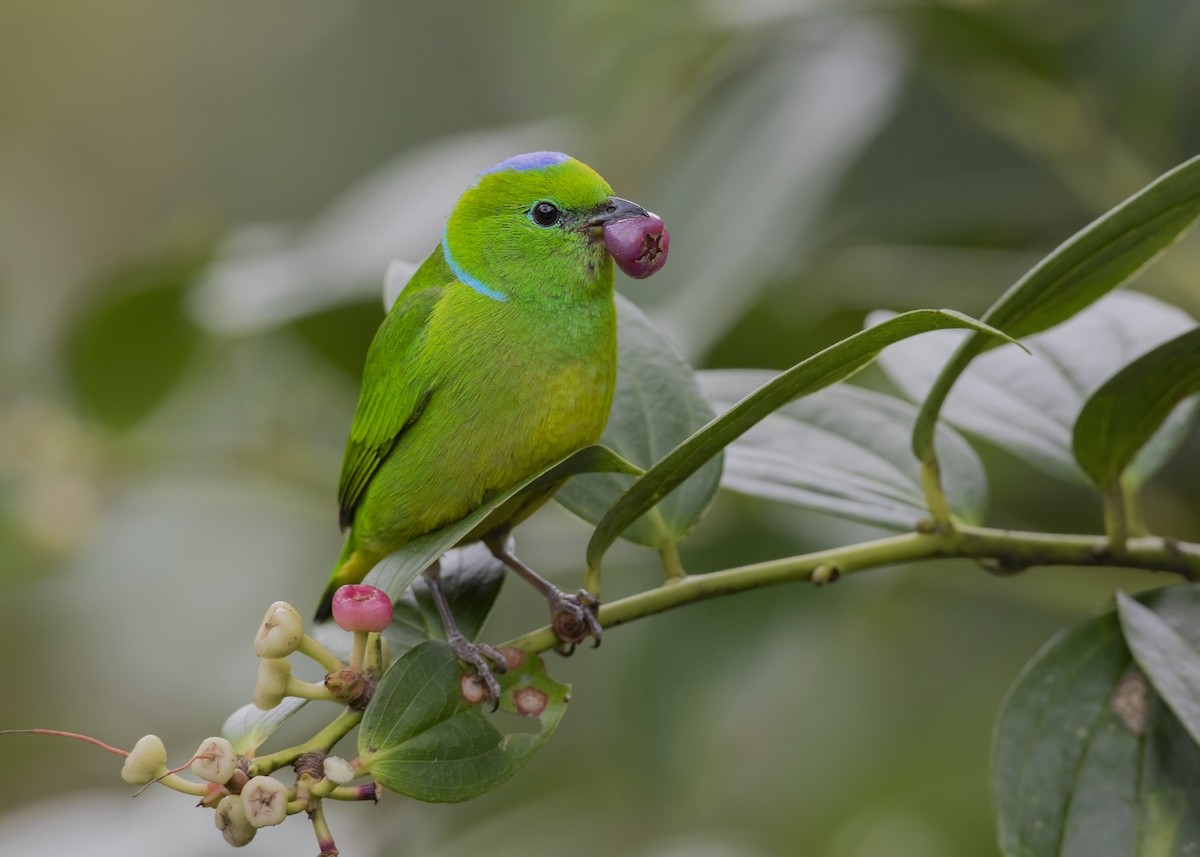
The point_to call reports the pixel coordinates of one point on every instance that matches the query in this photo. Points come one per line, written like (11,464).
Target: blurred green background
(197,204)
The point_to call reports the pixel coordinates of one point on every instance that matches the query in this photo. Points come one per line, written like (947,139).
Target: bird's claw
(573,618)
(478,655)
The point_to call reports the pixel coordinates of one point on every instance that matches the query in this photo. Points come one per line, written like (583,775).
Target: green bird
(498,358)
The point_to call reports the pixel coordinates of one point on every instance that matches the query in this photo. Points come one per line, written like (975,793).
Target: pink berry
(638,245)
(360,607)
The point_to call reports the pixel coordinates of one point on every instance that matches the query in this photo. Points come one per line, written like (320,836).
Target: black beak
(612,209)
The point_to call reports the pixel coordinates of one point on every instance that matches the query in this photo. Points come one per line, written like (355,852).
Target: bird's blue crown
(528,161)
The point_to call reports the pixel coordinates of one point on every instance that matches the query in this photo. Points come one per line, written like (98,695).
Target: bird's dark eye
(545,214)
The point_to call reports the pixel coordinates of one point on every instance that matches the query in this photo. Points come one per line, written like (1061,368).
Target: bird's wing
(394,392)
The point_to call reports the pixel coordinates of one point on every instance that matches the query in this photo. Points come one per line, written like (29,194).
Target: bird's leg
(475,654)
(573,617)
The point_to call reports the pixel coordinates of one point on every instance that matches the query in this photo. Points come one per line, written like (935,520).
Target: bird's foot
(478,655)
(573,618)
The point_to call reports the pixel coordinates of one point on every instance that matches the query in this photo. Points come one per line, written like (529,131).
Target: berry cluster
(241,787)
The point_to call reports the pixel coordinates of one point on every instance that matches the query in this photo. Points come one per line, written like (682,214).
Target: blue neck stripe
(474,282)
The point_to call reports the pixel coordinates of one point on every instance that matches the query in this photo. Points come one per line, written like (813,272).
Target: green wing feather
(394,390)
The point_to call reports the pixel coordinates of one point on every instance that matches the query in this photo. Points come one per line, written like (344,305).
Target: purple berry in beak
(638,244)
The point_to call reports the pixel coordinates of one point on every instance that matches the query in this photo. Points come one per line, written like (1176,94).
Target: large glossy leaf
(1029,404)
(1088,762)
(1121,417)
(843,451)
(1088,265)
(655,407)
(827,367)
(1169,659)
(394,574)
(421,738)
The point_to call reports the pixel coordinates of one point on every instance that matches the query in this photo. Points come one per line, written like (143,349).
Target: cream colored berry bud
(232,821)
(146,762)
(264,800)
(271,687)
(337,770)
(214,760)
(281,631)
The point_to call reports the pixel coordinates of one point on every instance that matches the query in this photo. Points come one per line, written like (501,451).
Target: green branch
(1004,550)
(323,740)
(1007,550)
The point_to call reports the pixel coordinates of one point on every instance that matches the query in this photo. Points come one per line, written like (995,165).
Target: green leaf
(419,737)
(843,451)
(1028,404)
(471,579)
(131,345)
(1087,761)
(1169,782)
(655,407)
(1169,660)
(1097,259)
(1121,417)
(827,367)
(342,334)
(755,204)
(394,574)
(249,727)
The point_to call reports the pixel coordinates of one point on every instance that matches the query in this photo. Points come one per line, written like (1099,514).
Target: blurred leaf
(249,727)
(342,334)
(1028,404)
(267,275)
(397,276)
(843,451)
(471,579)
(1087,761)
(656,406)
(1168,659)
(736,184)
(130,347)
(1097,259)
(827,367)
(394,574)
(1121,417)
(419,737)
